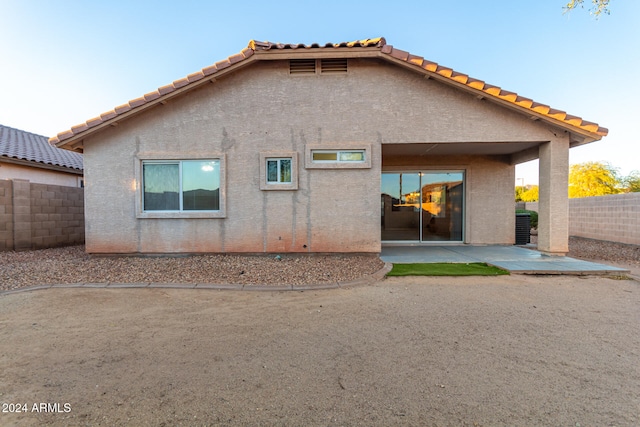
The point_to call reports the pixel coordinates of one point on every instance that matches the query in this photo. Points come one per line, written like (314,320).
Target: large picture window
(181,185)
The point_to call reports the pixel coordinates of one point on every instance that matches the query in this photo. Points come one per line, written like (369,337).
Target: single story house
(26,155)
(321,148)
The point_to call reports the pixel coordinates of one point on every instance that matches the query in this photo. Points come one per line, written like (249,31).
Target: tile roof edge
(512,99)
(209,73)
(480,87)
(27,148)
(64,138)
(40,164)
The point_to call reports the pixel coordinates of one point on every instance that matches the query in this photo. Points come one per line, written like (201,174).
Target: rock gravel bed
(70,265)
(604,251)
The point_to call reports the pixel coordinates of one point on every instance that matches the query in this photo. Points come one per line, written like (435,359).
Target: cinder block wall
(38,216)
(6,215)
(615,217)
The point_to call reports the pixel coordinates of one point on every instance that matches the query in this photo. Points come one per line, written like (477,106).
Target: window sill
(276,187)
(179,215)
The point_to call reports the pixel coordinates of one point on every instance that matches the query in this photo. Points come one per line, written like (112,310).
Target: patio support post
(553,215)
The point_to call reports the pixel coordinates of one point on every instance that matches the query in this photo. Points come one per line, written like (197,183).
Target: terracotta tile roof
(20,145)
(257,45)
(71,139)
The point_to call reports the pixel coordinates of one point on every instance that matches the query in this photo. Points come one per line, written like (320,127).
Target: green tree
(631,182)
(593,179)
(599,7)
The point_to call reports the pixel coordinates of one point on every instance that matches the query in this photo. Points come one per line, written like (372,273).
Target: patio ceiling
(462,148)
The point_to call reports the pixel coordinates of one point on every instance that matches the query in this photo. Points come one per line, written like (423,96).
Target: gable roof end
(378,47)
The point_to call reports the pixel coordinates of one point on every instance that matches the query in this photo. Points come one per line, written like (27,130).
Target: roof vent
(302,66)
(333,66)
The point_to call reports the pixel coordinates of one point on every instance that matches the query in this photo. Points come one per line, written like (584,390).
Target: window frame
(278,161)
(168,158)
(278,155)
(337,164)
(338,153)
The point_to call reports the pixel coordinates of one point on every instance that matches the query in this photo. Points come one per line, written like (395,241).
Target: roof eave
(150,100)
(581,131)
(40,165)
(580,135)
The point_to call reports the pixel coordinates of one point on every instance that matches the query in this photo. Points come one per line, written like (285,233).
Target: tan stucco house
(321,148)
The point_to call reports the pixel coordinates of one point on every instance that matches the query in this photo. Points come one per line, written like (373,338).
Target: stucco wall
(262,108)
(39,175)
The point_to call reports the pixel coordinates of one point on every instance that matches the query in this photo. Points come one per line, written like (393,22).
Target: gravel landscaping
(70,265)
(604,251)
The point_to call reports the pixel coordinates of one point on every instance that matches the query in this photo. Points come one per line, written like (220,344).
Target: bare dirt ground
(510,350)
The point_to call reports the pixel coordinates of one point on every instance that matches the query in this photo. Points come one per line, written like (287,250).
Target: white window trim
(337,164)
(278,155)
(338,153)
(278,161)
(141,214)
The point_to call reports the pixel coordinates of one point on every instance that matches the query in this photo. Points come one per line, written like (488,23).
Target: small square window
(279,171)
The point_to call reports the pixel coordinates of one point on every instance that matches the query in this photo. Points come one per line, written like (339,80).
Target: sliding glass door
(422,206)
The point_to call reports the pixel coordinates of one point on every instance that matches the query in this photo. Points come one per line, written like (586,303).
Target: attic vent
(302,66)
(333,65)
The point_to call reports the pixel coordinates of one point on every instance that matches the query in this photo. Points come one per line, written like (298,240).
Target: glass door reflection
(422,206)
(400,204)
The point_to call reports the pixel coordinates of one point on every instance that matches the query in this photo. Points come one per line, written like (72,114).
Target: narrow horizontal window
(338,156)
(181,185)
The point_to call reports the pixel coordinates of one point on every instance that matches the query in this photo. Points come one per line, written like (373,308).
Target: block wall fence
(38,216)
(615,218)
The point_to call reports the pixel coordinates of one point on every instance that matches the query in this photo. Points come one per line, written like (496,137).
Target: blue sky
(65,61)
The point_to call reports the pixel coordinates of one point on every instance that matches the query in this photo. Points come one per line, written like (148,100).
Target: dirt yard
(514,350)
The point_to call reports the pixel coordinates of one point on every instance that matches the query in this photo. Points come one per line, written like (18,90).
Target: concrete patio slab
(515,259)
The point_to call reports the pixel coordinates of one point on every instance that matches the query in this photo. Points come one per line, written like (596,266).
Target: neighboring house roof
(18,146)
(581,130)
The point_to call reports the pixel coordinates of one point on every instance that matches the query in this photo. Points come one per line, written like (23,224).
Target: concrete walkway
(512,258)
